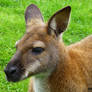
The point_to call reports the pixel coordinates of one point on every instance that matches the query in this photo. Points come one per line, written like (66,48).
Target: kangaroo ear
(32,13)
(59,21)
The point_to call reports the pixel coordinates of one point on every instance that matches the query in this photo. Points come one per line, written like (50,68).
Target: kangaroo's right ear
(32,13)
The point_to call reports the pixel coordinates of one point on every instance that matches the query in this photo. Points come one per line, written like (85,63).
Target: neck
(58,77)
(41,84)
(52,82)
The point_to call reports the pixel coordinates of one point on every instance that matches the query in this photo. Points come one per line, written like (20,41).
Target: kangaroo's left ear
(32,16)
(59,21)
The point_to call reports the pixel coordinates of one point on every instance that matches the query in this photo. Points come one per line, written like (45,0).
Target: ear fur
(32,12)
(59,21)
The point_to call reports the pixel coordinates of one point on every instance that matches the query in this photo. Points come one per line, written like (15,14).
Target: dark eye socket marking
(37,50)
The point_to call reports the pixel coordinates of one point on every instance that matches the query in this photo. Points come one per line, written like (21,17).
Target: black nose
(10,71)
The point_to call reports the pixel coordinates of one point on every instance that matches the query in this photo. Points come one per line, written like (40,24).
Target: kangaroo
(42,55)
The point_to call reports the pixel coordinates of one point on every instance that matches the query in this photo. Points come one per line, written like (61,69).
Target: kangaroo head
(37,52)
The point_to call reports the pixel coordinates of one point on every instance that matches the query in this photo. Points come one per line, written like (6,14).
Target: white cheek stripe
(31,68)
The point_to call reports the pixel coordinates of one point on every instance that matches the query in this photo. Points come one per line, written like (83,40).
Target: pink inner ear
(59,21)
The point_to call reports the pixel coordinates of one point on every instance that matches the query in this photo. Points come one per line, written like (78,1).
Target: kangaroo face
(37,52)
(33,55)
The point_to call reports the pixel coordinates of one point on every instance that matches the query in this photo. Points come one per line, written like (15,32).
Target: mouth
(14,78)
(17,77)
(20,75)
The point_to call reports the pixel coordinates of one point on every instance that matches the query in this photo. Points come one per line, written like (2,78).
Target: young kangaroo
(42,55)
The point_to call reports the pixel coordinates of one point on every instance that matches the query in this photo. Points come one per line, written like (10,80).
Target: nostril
(12,70)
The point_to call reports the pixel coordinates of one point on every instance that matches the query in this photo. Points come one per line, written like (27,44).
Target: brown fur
(64,68)
(74,71)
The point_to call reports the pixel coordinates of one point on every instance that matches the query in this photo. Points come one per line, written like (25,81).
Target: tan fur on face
(58,68)
(38,44)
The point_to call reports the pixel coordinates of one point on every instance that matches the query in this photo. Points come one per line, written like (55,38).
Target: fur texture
(41,54)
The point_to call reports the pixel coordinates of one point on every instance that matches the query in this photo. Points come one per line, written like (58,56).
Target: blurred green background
(12,28)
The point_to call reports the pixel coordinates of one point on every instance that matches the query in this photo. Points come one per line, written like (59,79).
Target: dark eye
(37,50)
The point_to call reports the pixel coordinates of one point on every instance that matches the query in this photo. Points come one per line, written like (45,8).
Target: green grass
(12,28)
